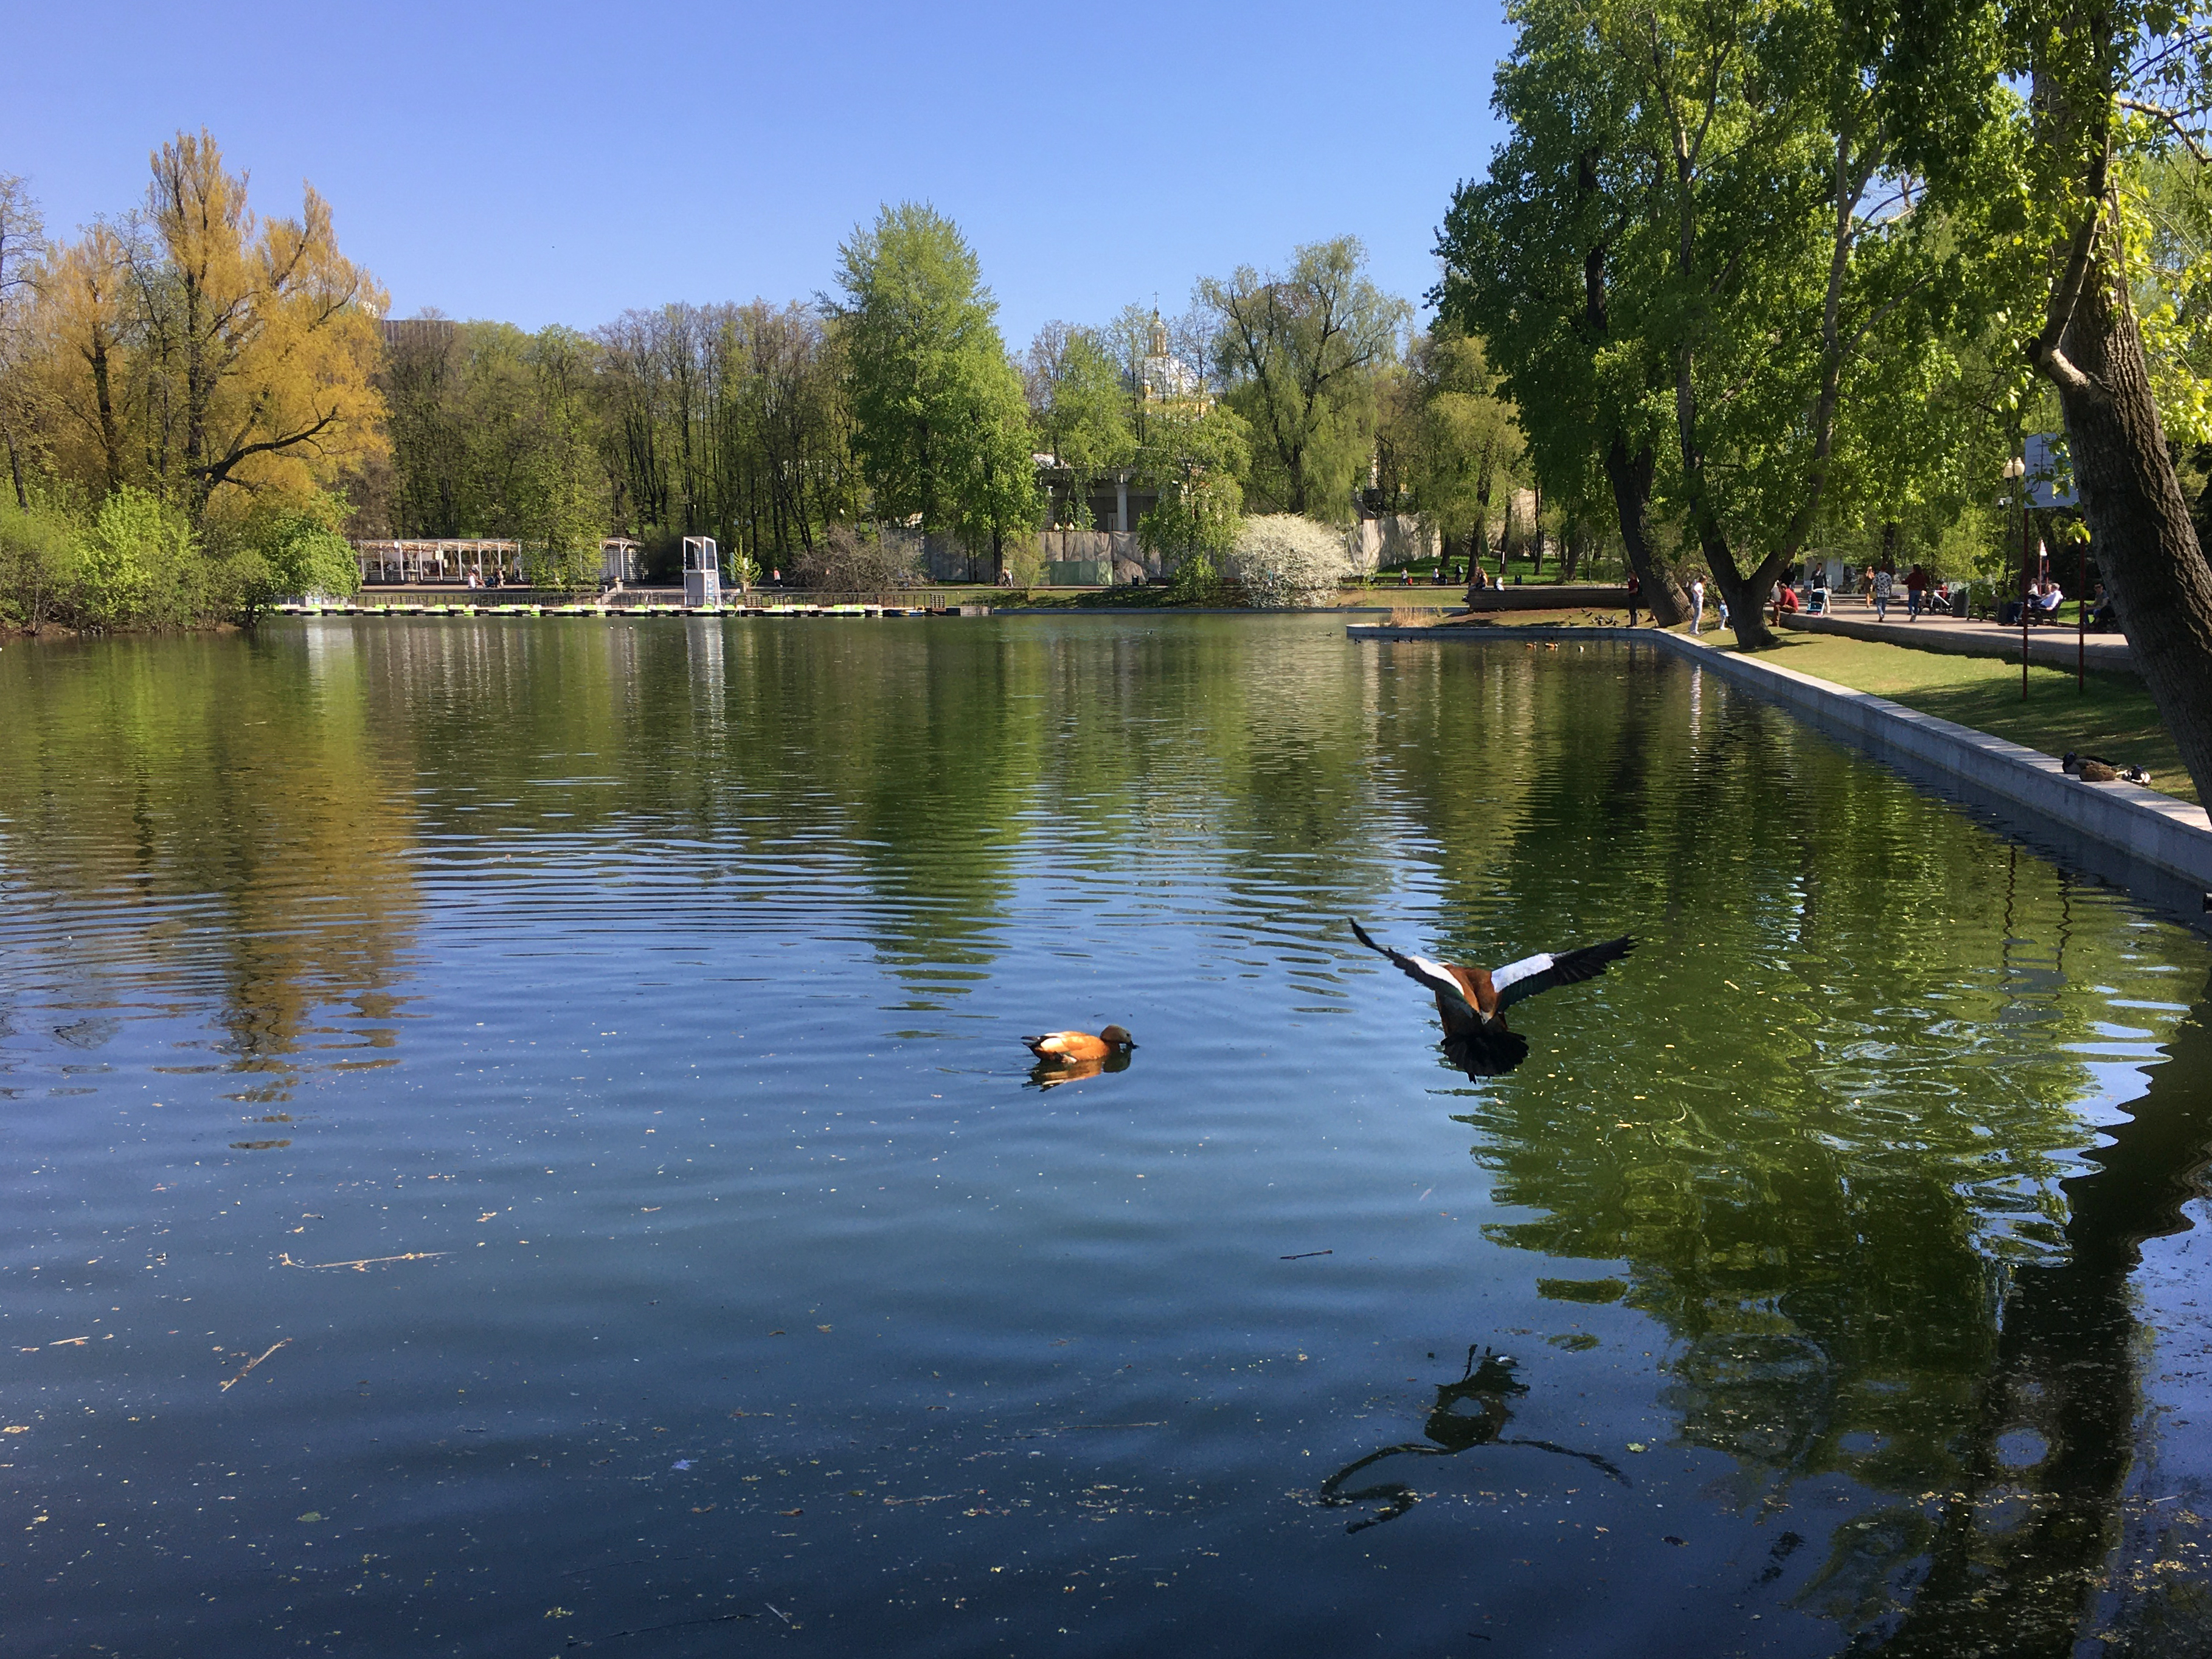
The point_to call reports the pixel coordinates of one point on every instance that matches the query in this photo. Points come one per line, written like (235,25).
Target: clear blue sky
(557,162)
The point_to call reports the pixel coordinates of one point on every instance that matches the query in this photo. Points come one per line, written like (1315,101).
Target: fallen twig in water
(681,1624)
(1302,1255)
(365,1263)
(251,1364)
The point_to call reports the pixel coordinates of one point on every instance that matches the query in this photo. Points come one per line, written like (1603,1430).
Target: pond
(517,1140)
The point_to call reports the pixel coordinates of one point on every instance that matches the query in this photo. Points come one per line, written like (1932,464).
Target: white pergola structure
(386,562)
(618,562)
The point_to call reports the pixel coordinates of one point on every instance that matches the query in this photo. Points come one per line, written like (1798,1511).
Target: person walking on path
(1697,603)
(1635,593)
(1884,585)
(1916,591)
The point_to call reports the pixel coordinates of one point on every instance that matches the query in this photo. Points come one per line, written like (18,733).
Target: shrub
(39,552)
(1284,561)
(139,564)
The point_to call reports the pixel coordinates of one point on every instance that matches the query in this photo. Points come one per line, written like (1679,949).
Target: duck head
(1117,1037)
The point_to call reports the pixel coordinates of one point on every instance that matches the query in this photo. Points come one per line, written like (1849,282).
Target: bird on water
(1071,1056)
(1080,1045)
(1473,1001)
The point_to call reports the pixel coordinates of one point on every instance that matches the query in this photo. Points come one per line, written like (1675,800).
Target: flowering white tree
(1284,560)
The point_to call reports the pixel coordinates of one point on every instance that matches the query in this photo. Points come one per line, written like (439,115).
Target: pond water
(516,1140)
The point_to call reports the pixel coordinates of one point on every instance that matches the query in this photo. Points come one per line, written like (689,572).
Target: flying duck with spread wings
(1473,1001)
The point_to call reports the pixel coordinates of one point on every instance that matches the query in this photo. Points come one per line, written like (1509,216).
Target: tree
(1756,263)
(1450,440)
(22,241)
(258,338)
(2106,82)
(291,550)
(1531,256)
(1299,352)
(940,424)
(560,496)
(1080,407)
(1284,561)
(1194,454)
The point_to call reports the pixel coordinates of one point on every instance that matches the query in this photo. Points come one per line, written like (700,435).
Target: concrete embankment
(2148,842)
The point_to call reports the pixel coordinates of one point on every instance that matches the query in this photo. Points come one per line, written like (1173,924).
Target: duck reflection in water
(1473,1001)
(1472,1411)
(1051,1073)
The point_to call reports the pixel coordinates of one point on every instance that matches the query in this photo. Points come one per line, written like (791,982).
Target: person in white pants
(1697,603)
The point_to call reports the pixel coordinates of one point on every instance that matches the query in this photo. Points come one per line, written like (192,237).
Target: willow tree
(941,423)
(257,340)
(1299,352)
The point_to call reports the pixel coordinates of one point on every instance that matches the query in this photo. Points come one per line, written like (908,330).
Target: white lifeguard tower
(702,572)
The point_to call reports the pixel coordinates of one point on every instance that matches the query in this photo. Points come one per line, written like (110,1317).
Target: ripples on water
(636,1003)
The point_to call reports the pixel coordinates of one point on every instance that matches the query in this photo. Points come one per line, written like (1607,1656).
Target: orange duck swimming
(1080,1045)
(1071,1056)
(1473,1001)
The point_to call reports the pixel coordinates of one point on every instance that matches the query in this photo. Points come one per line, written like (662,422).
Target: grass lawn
(2114,718)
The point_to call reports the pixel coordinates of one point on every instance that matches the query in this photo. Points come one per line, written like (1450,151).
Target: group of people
(2040,602)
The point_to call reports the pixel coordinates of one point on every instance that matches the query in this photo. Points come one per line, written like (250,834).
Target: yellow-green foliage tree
(176,382)
(262,343)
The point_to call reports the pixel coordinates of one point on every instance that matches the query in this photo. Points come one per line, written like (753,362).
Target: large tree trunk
(2146,546)
(1630,475)
(1746,597)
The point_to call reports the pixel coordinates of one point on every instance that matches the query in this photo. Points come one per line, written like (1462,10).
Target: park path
(2054,647)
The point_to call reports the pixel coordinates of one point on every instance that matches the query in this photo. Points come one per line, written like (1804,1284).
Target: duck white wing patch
(1437,977)
(1513,972)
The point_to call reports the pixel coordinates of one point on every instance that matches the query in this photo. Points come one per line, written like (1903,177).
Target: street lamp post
(2015,471)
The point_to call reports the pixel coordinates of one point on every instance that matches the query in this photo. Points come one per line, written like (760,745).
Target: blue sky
(560,163)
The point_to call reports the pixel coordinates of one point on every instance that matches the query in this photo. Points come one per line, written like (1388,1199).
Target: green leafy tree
(1301,352)
(561,497)
(1081,408)
(291,550)
(2108,83)
(1451,440)
(1193,454)
(940,424)
(139,563)
(1532,258)
(1760,281)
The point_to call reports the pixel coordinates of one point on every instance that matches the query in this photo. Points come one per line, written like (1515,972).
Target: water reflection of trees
(1835,1143)
(211,817)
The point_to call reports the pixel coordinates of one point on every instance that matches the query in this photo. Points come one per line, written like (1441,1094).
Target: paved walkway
(2054,647)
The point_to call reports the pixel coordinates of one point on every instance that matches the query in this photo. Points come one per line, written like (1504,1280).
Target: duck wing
(1434,975)
(1517,981)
